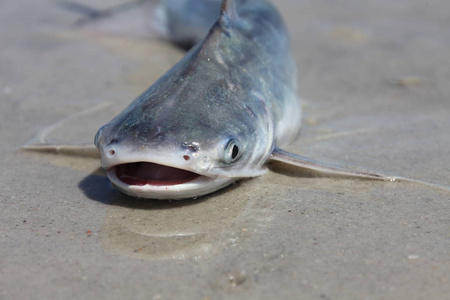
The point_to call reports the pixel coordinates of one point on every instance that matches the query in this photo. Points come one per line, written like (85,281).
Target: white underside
(288,127)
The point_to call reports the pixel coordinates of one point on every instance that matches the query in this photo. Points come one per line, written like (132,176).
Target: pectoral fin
(325,168)
(311,164)
(82,150)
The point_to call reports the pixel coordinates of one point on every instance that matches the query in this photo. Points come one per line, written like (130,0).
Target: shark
(225,110)
(219,115)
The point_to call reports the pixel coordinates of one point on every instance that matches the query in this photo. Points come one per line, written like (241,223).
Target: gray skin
(219,112)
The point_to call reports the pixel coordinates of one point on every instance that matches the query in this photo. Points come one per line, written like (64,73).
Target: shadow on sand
(98,188)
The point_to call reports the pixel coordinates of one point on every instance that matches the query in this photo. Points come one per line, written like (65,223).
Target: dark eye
(232,151)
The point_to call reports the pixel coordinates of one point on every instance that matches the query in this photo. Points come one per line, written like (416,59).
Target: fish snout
(105,144)
(112,154)
(99,137)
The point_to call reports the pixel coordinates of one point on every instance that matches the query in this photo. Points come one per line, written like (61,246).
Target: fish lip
(190,188)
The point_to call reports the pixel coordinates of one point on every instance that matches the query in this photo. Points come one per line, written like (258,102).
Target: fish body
(219,115)
(213,118)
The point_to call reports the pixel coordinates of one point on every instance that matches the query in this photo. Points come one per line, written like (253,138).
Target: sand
(374,78)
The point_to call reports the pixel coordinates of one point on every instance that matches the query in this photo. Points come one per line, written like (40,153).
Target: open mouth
(151,180)
(146,173)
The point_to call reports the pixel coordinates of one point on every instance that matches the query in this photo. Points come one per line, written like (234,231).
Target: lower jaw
(198,186)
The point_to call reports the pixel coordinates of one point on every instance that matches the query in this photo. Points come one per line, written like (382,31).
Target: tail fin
(89,13)
(130,19)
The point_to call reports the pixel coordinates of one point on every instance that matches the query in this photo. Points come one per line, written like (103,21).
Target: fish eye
(232,151)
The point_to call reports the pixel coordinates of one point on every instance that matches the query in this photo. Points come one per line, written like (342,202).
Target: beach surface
(374,78)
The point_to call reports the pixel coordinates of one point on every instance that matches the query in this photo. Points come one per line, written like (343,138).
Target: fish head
(164,148)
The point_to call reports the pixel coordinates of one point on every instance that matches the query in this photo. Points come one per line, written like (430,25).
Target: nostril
(186,157)
(111,152)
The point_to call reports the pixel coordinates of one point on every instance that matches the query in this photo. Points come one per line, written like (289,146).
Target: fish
(217,116)
(221,114)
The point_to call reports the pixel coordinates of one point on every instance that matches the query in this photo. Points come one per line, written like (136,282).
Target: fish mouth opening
(147,173)
(155,181)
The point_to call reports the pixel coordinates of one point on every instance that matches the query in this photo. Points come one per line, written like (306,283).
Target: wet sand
(374,77)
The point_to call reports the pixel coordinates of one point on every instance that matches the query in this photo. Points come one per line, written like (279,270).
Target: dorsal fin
(228,13)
